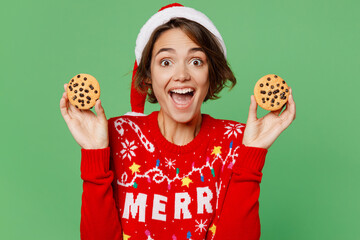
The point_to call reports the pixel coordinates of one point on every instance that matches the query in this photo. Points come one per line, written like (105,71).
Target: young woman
(175,173)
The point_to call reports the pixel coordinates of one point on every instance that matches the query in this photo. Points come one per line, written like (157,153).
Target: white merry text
(137,206)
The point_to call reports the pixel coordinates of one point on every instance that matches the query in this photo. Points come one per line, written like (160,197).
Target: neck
(177,132)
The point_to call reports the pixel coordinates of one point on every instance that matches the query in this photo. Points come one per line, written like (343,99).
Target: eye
(165,62)
(197,62)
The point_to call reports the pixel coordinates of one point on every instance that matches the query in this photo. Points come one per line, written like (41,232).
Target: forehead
(174,38)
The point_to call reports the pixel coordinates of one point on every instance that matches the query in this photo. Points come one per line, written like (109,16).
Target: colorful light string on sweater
(158,176)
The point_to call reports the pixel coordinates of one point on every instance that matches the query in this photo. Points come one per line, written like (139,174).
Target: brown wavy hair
(219,71)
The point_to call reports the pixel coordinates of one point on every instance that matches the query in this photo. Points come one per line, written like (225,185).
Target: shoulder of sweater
(227,130)
(117,125)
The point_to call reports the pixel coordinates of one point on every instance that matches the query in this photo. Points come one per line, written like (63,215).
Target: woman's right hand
(90,131)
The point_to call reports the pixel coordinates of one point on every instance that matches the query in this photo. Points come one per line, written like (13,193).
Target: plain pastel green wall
(310,186)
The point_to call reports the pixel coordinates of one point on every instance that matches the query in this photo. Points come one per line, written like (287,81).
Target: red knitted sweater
(145,187)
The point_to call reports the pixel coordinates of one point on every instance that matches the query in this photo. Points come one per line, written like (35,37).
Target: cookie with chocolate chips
(83,90)
(271,92)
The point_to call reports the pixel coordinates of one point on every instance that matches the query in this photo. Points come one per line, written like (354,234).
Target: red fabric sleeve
(99,215)
(239,217)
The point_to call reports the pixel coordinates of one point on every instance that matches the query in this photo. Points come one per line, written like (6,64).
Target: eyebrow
(173,50)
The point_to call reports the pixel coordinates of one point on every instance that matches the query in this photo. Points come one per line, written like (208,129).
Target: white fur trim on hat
(134,114)
(164,16)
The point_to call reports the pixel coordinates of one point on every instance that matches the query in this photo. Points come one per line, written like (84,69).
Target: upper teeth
(182,90)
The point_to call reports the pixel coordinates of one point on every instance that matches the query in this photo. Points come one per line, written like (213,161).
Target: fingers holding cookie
(64,107)
(252,109)
(289,114)
(292,104)
(100,112)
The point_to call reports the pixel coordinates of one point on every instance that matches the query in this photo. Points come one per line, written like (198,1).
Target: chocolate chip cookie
(271,92)
(83,90)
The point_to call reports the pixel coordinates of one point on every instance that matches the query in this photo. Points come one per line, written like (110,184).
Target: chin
(184,116)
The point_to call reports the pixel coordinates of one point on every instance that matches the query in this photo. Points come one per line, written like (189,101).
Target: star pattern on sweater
(134,168)
(213,229)
(216,150)
(125,236)
(186,181)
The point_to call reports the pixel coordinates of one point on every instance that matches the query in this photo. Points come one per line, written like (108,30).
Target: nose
(181,73)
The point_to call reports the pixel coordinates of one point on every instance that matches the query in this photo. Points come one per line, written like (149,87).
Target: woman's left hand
(263,132)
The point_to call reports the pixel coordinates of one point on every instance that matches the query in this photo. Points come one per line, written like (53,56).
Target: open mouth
(182,96)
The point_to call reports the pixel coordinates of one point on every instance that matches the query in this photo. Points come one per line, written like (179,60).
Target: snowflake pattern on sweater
(166,191)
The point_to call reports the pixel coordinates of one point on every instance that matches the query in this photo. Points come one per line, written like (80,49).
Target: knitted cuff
(250,158)
(94,162)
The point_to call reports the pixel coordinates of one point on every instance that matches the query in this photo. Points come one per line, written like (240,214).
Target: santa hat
(167,12)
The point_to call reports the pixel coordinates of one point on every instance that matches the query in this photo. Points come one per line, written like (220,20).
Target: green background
(309,188)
